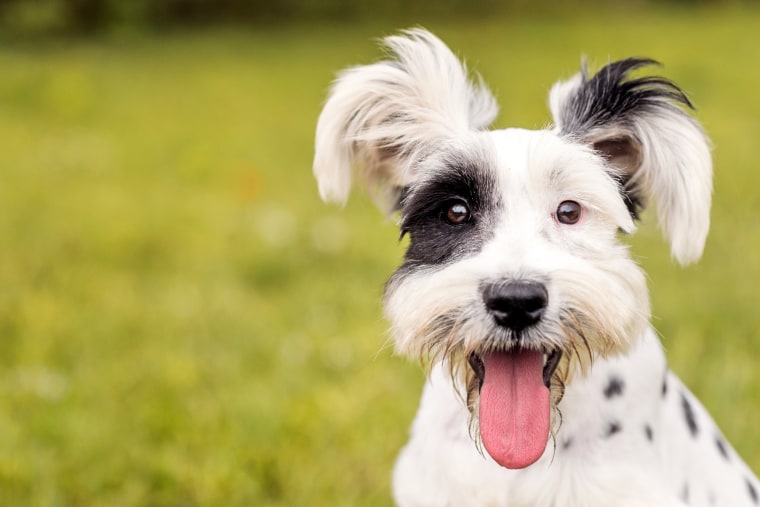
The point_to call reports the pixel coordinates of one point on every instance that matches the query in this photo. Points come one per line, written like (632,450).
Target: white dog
(517,290)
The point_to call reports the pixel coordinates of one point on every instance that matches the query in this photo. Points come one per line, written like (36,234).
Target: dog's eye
(569,212)
(457,213)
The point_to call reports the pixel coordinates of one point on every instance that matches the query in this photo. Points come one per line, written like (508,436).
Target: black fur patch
(721,445)
(612,98)
(434,241)
(689,415)
(649,433)
(613,428)
(752,491)
(614,387)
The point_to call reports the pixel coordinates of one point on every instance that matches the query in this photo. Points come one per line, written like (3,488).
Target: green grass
(182,322)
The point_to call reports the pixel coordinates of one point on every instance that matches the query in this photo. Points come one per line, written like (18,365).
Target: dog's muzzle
(515,377)
(516,305)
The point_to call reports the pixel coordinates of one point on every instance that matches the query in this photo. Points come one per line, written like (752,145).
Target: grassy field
(182,322)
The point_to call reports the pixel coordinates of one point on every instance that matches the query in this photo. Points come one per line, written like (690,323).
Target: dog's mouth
(515,403)
(550,363)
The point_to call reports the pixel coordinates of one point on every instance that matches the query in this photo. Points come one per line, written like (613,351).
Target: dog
(547,384)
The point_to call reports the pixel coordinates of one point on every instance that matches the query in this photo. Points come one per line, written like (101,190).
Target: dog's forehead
(537,168)
(540,165)
(522,155)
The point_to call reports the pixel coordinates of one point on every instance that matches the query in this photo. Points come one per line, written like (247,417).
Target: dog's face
(513,238)
(515,275)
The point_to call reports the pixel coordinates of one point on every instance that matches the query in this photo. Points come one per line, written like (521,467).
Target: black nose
(515,305)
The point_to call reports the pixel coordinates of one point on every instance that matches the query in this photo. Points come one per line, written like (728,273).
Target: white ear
(641,127)
(385,116)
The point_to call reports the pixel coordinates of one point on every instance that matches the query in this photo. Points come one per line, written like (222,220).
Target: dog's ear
(383,117)
(642,127)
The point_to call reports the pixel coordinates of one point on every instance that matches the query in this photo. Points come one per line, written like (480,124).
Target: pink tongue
(514,408)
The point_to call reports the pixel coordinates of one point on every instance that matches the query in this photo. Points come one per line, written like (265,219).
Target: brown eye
(569,212)
(457,213)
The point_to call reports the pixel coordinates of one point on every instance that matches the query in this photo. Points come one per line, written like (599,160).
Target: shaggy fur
(515,276)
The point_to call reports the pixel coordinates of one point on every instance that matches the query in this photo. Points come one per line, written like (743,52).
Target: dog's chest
(630,435)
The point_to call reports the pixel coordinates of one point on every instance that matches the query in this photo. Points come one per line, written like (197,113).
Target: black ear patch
(612,98)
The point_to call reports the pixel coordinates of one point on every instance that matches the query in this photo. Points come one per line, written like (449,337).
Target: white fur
(676,172)
(538,171)
(440,466)
(405,105)
(398,122)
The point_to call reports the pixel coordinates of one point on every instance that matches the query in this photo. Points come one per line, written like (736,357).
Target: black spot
(567,443)
(665,385)
(689,415)
(685,493)
(752,491)
(612,428)
(648,432)
(721,447)
(614,387)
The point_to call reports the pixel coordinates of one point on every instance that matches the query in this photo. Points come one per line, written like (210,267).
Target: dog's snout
(516,305)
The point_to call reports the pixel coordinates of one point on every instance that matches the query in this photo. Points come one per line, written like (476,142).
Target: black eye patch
(431,214)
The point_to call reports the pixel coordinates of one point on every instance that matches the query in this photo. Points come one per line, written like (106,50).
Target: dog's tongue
(514,408)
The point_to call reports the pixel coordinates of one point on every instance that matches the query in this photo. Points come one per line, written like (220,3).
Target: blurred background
(182,322)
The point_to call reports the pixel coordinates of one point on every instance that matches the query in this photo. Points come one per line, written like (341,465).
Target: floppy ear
(640,125)
(383,117)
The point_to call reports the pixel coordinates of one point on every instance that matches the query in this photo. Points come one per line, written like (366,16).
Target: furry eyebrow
(428,196)
(458,177)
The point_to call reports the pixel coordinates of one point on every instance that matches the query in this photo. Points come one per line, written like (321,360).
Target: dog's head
(514,274)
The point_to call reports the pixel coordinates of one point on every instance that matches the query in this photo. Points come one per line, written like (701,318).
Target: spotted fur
(491,214)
